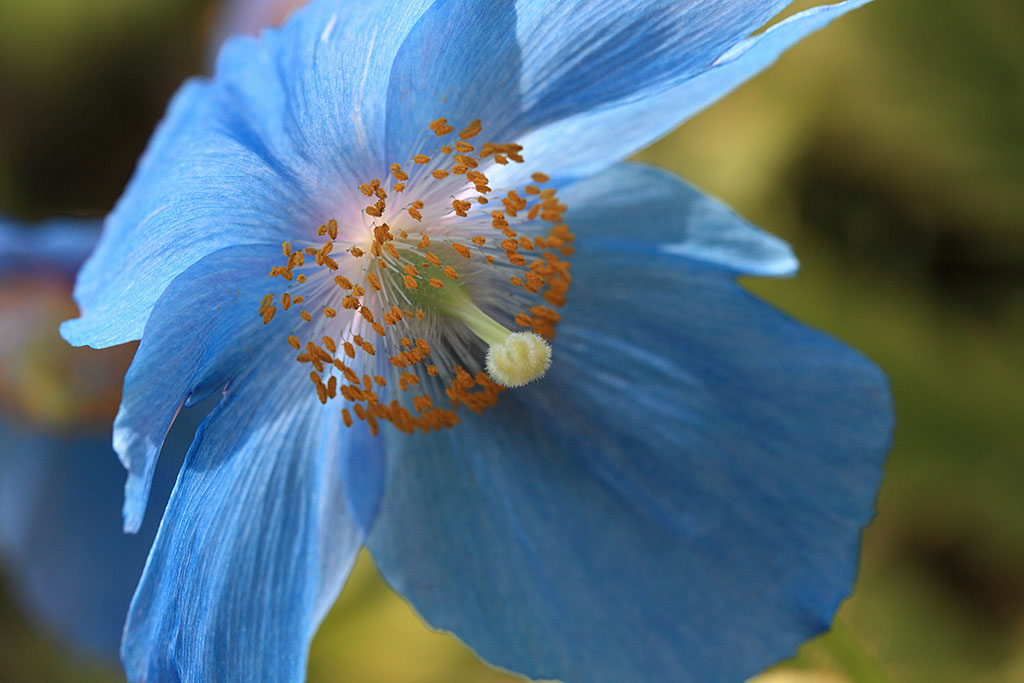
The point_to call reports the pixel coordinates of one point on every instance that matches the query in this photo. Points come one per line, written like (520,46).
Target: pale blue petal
(582,55)
(461,61)
(363,475)
(680,499)
(256,541)
(590,140)
(268,150)
(522,64)
(635,207)
(198,188)
(204,331)
(326,73)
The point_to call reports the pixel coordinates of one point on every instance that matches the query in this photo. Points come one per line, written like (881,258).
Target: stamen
(415,284)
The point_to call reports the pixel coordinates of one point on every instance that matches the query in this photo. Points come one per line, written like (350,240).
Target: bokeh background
(888,149)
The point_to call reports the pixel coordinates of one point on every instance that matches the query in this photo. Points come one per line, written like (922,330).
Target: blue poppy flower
(71,567)
(437,193)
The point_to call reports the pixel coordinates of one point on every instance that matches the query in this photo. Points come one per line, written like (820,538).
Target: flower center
(405,317)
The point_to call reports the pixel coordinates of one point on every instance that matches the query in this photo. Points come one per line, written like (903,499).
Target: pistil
(513,358)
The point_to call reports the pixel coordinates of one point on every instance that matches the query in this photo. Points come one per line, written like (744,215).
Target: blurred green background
(888,149)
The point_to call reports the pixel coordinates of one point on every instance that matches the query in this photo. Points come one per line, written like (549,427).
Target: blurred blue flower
(679,498)
(71,567)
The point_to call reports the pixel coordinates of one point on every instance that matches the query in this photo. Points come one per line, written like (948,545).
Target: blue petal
(461,62)
(256,541)
(196,190)
(634,207)
(680,499)
(585,142)
(207,328)
(71,567)
(518,65)
(269,149)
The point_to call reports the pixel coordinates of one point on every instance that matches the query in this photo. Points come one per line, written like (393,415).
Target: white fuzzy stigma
(521,358)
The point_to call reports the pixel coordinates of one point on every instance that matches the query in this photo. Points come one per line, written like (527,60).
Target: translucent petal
(632,207)
(588,141)
(524,64)
(256,541)
(680,499)
(205,329)
(270,148)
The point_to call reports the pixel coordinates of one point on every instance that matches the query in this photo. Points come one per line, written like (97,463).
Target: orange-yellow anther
(472,130)
(441,127)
